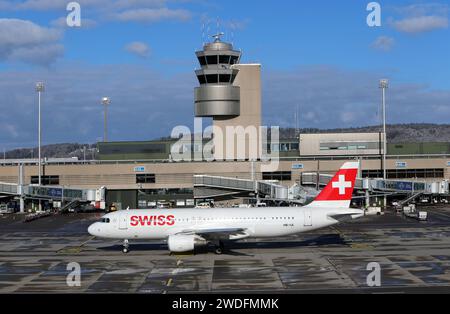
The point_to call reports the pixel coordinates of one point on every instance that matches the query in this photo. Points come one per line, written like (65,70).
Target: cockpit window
(106,220)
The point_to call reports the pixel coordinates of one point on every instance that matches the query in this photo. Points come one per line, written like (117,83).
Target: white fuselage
(258,222)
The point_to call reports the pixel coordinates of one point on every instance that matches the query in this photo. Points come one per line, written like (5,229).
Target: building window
(45,180)
(405,173)
(212,78)
(234,60)
(224,78)
(283,147)
(201,79)
(211,59)
(224,59)
(278,176)
(349,146)
(202,61)
(145,178)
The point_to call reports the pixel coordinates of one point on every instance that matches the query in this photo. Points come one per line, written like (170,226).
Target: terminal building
(145,174)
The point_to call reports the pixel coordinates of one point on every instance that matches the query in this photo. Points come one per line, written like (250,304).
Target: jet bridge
(212,186)
(54,193)
(379,185)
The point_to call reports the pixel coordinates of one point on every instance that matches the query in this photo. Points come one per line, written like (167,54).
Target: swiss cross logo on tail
(342,185)
(339,190)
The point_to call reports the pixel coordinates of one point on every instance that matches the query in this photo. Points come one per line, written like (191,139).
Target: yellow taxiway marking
(74,249)
(84,243)
(169,282)
(361,246)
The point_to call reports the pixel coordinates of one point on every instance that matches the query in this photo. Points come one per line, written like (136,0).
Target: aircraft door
(123,221)
(308,218)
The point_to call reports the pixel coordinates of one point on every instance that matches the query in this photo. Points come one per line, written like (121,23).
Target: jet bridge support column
(367,198)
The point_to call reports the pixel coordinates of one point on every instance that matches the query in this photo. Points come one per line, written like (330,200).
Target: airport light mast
(39,89)
(105,102)
(384,84)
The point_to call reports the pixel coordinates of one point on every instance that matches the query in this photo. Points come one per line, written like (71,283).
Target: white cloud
(62,23)
(331,98)
(348,117)
(72,109)
(40,54)
(24,41)
(328,97)
(421,24)
(383,43)
(421,9)
(45,5)
(152,15)
(420,18)
(139,49)
(122,10)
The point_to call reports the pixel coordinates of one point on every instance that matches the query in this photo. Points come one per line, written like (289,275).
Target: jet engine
(184,243)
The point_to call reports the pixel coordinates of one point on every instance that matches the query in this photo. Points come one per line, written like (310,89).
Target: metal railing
(158,161)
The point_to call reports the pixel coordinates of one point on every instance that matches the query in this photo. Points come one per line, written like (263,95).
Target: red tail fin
(338,193)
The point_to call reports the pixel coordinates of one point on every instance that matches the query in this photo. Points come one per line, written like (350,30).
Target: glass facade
(278,176)
(138,148)
(147,178)
(45,180)
(349,146)
(405,173)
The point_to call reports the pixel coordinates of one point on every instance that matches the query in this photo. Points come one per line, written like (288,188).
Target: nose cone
(94,229)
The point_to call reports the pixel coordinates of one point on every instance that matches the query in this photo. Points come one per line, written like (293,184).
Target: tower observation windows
(212,78)
(224,78)
(212,59)
(201,79)
(202,60)
(224,59)
(218,59)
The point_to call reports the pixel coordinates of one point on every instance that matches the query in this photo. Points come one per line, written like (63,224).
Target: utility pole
(105,102)
(384,84)
(39,89)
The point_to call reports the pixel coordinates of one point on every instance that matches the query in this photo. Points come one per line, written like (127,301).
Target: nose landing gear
(126,245)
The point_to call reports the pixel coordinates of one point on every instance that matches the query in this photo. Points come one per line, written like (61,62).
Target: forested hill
(398,133)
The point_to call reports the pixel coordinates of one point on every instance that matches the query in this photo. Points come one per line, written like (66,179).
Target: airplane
(184,229)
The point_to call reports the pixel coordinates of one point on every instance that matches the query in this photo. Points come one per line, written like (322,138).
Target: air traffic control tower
(230,93)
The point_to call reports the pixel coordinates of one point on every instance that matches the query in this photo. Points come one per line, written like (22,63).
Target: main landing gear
(219,248)
(126,246)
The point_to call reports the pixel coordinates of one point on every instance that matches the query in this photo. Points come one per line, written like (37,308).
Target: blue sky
(318,55)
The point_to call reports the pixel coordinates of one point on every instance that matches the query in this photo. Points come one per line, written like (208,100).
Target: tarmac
(414,257)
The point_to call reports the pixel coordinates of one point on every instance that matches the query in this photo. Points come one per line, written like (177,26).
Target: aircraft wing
(219,233)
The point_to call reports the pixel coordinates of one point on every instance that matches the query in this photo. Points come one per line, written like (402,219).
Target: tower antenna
(217,37)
